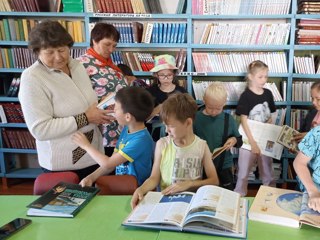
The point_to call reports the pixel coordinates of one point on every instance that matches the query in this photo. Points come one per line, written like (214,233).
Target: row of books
(308,32)
(138,61)
(14,87)
(308,7)
(18,29)
(11,113)
(23,57)
(18,138)
(235,7)
(307,65)
(232,62)
(32,5)
(246,34)
(134,6)
(301,91)
(297,117)
(234,89)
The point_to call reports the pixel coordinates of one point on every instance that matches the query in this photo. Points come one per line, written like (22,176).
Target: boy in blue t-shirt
(134,150)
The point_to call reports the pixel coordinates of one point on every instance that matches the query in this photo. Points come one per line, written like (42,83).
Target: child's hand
(177,187)
(298,137)
(86,182)
(314,201)
(255,148)
(136,197)
(230,143)
(80,139)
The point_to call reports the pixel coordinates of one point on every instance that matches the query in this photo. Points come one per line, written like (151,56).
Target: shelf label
(122,15)
(193,74)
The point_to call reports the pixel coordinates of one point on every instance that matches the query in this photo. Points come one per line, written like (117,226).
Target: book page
(309,216)
(276,206)
(158,208)
(216,152)
(266,136)
(107,102)
(286,137)
(216,203)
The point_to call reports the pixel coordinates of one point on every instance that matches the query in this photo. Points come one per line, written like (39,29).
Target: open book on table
(211,210)
(283,207)
(266,136)
(63,200)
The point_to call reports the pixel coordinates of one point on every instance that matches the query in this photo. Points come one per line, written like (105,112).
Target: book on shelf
(285,137)
(283,207)
(211,210)
(266,136)
(63,200)
(107,102)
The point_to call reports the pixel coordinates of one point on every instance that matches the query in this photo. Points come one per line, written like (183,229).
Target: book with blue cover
(63,200)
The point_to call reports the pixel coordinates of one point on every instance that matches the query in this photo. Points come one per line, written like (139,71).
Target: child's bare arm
(153,181)
(254,146)
(301,167)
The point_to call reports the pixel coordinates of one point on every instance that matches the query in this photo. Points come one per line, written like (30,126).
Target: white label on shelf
(193,74)
(122,15)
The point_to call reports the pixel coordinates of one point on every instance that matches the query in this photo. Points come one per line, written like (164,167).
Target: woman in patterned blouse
(105,76)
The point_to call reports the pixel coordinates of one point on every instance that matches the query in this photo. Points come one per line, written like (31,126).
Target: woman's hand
(298,137)
(99,116)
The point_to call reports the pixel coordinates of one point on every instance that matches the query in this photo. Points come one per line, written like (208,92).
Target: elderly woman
(57,100)
(105,76)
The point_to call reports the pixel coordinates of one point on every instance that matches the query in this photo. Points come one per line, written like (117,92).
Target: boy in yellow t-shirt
(181,156)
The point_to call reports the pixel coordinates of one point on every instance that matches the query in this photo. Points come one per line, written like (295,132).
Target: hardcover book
(217,151)
(283,207)
(107,102)
(211,210)
(285,137)
(63,200)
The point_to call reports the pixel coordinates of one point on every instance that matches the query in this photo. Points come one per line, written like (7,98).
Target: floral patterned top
(104,80)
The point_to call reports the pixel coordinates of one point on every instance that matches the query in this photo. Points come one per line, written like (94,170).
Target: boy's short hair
(136,101)
(216,91)
(181,106)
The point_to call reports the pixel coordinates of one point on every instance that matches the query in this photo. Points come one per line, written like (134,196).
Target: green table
(102,217)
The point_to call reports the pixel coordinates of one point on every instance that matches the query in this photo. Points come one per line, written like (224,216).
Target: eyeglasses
(163,77)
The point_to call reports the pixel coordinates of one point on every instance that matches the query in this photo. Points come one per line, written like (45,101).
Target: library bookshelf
(191,44)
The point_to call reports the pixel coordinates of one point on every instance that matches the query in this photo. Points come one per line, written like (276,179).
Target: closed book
(63,200)
(283,207)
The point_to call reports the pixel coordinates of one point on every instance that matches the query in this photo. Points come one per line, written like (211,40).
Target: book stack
(16,57)
(301,91)
(18,139)
(232,62)
(239,7)
(296,118)
(255,34)
(308,32)
(309,7)
(234,89)
(13,88)
(13,112)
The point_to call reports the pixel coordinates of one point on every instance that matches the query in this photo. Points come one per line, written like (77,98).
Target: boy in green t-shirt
(219,129)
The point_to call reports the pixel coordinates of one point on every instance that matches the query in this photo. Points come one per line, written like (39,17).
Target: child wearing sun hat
(165,84)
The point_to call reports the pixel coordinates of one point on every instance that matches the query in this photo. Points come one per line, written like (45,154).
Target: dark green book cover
(63,200)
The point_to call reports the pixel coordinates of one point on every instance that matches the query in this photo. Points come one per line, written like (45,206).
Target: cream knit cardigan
(50,99)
